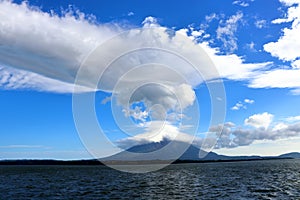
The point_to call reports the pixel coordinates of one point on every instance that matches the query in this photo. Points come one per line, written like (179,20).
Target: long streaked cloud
(16,79)
(47,44)
(277,78)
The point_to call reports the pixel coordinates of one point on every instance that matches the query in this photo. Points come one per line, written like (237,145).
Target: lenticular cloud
(48,44)
(151,66)
(55,46)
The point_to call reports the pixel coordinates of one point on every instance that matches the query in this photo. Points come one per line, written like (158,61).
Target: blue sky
(253,44)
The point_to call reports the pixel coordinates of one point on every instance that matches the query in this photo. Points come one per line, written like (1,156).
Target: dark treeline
(97,162)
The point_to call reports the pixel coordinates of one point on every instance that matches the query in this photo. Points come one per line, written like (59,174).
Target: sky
(226,76)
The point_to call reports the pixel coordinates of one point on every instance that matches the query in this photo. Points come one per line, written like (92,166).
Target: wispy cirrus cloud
(226,32)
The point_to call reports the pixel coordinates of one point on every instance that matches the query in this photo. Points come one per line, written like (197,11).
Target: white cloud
(290,2)
(185,95)
(106,100)
(229,124)
(238,106)
(296,64)
(170,99)
(295,91)
(198,33)
(249,101)
(262,120)
(260,23)
(56,50)
(243,105)
(46,50)
(241,3)
(293,119)
(15,79)
(140,115)
(234,137)
(226,32)
(259,75)
(211,17)
(157,131)
(277,78)
(286,48)
(251,46)
(47,44)
(264,147)
(130,14)
(64,41)
(279,126)
(150,22)
(54,47)
(232,66)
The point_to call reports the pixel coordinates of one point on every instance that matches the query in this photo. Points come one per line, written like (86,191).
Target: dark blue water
(273,179)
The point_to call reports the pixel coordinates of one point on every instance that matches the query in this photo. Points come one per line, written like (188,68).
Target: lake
(269,179)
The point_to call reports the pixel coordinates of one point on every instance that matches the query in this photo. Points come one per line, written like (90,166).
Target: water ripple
(276,179)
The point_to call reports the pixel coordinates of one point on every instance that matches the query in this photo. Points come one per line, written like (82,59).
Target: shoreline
(115,162)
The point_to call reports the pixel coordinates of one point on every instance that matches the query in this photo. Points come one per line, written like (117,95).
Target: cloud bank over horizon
(233,136)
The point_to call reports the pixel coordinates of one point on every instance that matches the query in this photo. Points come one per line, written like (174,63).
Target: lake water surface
(272,179)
